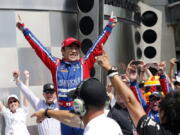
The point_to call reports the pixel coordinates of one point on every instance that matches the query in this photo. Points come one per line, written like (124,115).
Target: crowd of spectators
(144,100)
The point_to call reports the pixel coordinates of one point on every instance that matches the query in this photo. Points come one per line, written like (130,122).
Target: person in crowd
(14,114)
(48,126)
(120,114)
(151,85)
(110,93)
(69,71)
(89,102)
(153,108)
(171,68)
(177,81)
(174,76)
(169,106)
(145,125)
(155,86)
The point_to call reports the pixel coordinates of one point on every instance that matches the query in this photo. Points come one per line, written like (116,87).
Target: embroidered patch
(64,70)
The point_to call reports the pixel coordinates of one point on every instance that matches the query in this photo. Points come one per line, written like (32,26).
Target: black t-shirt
(121,116)
(147,126)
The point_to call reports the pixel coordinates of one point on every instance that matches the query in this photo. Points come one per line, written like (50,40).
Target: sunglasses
(154,99)
(147,88)
(12,101)
(49,92)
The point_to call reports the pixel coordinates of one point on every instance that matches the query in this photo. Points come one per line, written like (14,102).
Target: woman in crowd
(15,115)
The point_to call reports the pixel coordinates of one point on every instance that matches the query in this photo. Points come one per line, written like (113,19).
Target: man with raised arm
(50,125)
(169,106)
(69,71)
(89,102)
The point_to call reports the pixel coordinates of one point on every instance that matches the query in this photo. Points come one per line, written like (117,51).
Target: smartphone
(153,65)
(178,61)
(123,76)
(136,62)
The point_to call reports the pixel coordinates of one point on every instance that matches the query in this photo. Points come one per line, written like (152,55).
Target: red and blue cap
(156,94)
(70,40)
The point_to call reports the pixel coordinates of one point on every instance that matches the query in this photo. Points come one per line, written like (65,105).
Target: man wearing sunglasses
(48,126)
(154,99)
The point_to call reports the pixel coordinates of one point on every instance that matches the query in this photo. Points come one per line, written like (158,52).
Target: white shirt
(102,125)
(48,126)
(15,122)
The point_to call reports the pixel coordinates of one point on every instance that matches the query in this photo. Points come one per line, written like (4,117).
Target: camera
(177,61)
(123,76)
(136,62)
(152,65)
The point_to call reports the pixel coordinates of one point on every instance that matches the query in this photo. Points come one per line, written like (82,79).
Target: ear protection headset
(79,105)
(86,94)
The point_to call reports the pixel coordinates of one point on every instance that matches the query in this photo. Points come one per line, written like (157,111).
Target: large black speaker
(147,37)
(88,22)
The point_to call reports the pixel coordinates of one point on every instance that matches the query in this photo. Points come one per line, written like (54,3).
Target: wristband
(113,74)
(21,26)
(46,113)
(113,69)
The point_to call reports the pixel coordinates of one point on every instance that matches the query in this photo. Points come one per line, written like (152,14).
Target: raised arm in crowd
(170,104)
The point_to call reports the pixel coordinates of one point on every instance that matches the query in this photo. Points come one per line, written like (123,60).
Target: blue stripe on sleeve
(45,50)
(95,44)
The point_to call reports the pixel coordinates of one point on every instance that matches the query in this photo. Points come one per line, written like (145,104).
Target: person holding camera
(169,106)
(152,105)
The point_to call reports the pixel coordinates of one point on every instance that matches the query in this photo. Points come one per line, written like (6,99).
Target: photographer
(169,107)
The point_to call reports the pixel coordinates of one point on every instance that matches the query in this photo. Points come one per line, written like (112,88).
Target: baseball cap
(48,87)
(156,94)
(177,76)
(68,41)
(12,96)
(92,92)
